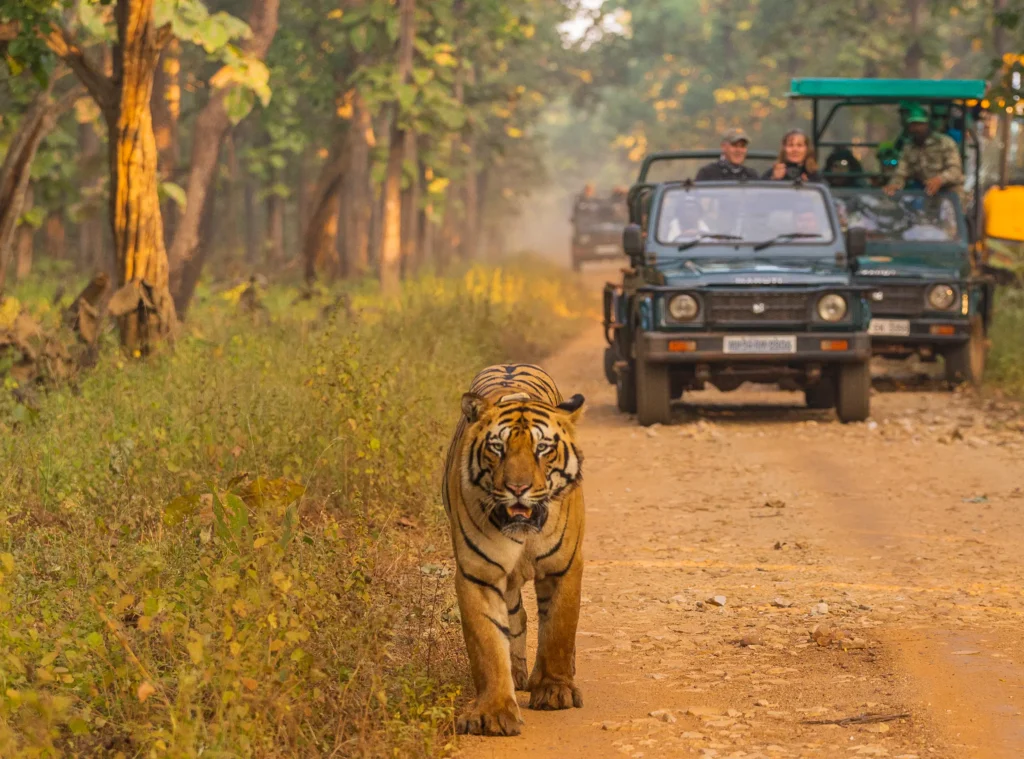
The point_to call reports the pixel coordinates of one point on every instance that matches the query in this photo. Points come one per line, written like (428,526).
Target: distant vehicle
(597,229)
(734,282)
(928,295)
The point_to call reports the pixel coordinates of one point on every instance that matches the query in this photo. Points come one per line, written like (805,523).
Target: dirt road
(875,568)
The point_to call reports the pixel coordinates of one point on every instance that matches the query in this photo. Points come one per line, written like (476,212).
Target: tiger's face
(522,456)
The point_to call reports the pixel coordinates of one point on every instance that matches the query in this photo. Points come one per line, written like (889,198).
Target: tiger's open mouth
(519,511)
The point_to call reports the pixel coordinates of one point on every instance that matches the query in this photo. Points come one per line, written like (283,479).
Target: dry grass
(237,548)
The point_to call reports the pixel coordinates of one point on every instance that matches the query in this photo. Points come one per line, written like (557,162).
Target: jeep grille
(734,307)
(897,300)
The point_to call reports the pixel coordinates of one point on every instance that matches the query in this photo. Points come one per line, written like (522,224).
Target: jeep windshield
(908,217)
(731,215)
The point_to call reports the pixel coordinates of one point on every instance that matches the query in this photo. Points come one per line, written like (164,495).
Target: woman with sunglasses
(796,160)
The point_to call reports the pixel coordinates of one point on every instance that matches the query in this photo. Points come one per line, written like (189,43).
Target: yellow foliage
(445,59)
(438,185)
(9,310)
(744,25)
(336,13)
(513,132)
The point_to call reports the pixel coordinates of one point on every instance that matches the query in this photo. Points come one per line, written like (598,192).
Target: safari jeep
(917,272)
(597,233)
(733,282)
(926,298)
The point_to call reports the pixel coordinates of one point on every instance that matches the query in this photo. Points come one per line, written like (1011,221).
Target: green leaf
(239,103)
(175,192)
(180,509)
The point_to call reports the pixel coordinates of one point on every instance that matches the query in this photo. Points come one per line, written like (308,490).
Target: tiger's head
(521,457)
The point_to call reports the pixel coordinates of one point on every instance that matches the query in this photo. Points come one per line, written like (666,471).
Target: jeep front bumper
(917,333)
(721,347)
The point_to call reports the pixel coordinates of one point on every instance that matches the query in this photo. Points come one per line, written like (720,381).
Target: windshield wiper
(701,238)
(785,237)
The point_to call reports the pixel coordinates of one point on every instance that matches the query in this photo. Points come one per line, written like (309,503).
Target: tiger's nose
(517,489)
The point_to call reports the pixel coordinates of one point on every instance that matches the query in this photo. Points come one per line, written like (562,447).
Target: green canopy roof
(889,89)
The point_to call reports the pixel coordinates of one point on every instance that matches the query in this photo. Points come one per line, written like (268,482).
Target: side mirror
(633,240)
(856,243)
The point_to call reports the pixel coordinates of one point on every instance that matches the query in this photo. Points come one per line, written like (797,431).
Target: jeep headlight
(941,297)
(832,307)
(683,308)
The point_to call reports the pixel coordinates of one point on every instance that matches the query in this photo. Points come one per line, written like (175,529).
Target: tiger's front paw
(495,719)
(555,694)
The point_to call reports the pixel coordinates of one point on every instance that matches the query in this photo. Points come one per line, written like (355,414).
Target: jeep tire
(609,365)
(625,388)
(653,393)
(853,392)
(822,395)
(966,362)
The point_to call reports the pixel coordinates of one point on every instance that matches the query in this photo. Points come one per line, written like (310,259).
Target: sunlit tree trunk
(391,237)
(319,244)
(144,309)
(166,112)
(212,125)
(410,206)
(358,195)
(24,240)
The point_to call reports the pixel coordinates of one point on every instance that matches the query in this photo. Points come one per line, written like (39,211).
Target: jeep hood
(747,272)
(926,264)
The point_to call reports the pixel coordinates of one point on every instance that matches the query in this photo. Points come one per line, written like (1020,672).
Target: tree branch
(99,85)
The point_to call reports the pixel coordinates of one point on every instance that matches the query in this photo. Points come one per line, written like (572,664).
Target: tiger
(512,492)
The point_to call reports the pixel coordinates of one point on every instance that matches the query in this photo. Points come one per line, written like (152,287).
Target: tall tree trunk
(358,195)
(275,227)
(93,254)
(212,125)
(319,243)
(391,238)
(24,242)
(143,305)
(915,52)
(56,237)
(37,122)
(410,206)
(193,268)
(998,30)
(166,111)
(252,237)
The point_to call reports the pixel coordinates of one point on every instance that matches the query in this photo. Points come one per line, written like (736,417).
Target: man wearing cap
(928,157)
(729,166)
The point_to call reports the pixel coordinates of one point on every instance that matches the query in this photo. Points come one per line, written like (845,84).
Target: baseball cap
(916,115)
(734,135)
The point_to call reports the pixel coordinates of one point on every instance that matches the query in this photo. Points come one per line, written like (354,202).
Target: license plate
(607,250)
(889,327)
(760,344)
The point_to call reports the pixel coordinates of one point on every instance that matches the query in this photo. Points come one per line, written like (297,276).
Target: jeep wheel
(853,392)
(653,393)
(822,395)
(609,365)
(625,389)
(966,362)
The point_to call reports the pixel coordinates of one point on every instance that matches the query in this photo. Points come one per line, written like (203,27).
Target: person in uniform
(729,166)
(928,157)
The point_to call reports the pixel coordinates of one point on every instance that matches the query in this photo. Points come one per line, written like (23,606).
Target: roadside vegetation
(1005,368)
(237,548)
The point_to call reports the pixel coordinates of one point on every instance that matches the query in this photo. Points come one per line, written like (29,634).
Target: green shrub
(237,547)
(1006,360)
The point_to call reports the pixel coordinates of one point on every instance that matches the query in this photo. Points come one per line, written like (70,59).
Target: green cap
(916,115)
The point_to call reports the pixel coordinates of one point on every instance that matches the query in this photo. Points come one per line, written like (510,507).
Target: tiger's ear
(473,406)
(573,407)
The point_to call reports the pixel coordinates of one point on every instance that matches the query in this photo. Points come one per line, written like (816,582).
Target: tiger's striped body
(512,492)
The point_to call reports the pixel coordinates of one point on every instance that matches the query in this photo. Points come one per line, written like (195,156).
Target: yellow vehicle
(1001,177)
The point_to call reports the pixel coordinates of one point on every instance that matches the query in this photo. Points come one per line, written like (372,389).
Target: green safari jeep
(733,282)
